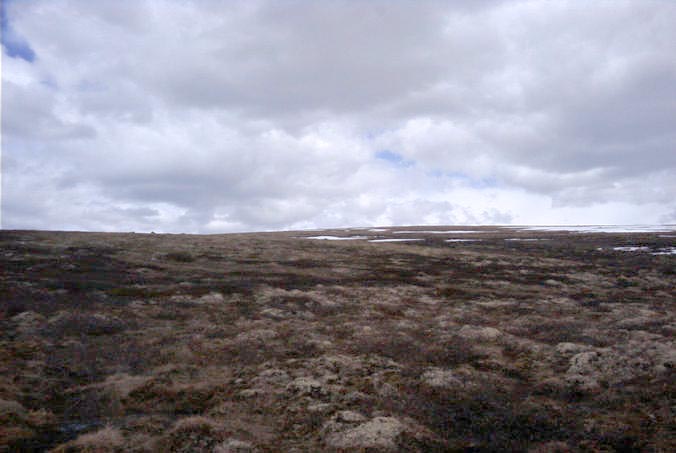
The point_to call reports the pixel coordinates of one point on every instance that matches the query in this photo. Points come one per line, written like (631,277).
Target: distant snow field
(602,228)
(631,249)
(395,240)
(634,248)
(335,238)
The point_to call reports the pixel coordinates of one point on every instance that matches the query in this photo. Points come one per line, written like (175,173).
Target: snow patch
(666,251)
(336,238)
(631,249)
(395,240)
(635,248)
(602,228)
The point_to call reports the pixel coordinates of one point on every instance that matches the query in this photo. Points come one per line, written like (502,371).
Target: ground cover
(463,339)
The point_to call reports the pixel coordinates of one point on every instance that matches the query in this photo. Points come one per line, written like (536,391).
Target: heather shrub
(192,434)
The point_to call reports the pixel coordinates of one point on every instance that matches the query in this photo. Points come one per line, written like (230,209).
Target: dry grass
(105,440)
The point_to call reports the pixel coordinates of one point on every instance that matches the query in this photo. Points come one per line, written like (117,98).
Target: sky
(212,117)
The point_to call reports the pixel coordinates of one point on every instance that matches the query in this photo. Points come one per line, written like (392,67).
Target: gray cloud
(211,116)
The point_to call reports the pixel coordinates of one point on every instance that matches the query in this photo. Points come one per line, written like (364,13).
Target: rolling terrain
(381,339)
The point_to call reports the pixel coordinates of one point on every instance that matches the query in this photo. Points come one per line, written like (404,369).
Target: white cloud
(211,116)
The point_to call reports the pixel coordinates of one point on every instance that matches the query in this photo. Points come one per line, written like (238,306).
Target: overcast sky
(211,116)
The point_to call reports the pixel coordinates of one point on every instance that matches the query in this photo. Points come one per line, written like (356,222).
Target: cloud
(210,116)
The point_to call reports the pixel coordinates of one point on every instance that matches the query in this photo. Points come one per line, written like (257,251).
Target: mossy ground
(153,342)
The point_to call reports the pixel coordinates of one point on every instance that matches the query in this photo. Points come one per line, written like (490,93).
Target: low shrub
(180,257)
(107,439)
(193,434)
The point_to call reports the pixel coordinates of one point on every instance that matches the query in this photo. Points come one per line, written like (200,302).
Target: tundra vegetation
(269,342)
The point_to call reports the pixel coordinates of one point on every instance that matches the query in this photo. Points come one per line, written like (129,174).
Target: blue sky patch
(393,158)
(15,46)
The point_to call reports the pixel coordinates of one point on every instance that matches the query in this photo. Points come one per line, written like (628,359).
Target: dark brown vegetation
(270,342)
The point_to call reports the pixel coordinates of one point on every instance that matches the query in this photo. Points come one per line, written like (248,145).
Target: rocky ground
(517,341)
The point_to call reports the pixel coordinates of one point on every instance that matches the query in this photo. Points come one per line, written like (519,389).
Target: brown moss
(123,333)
